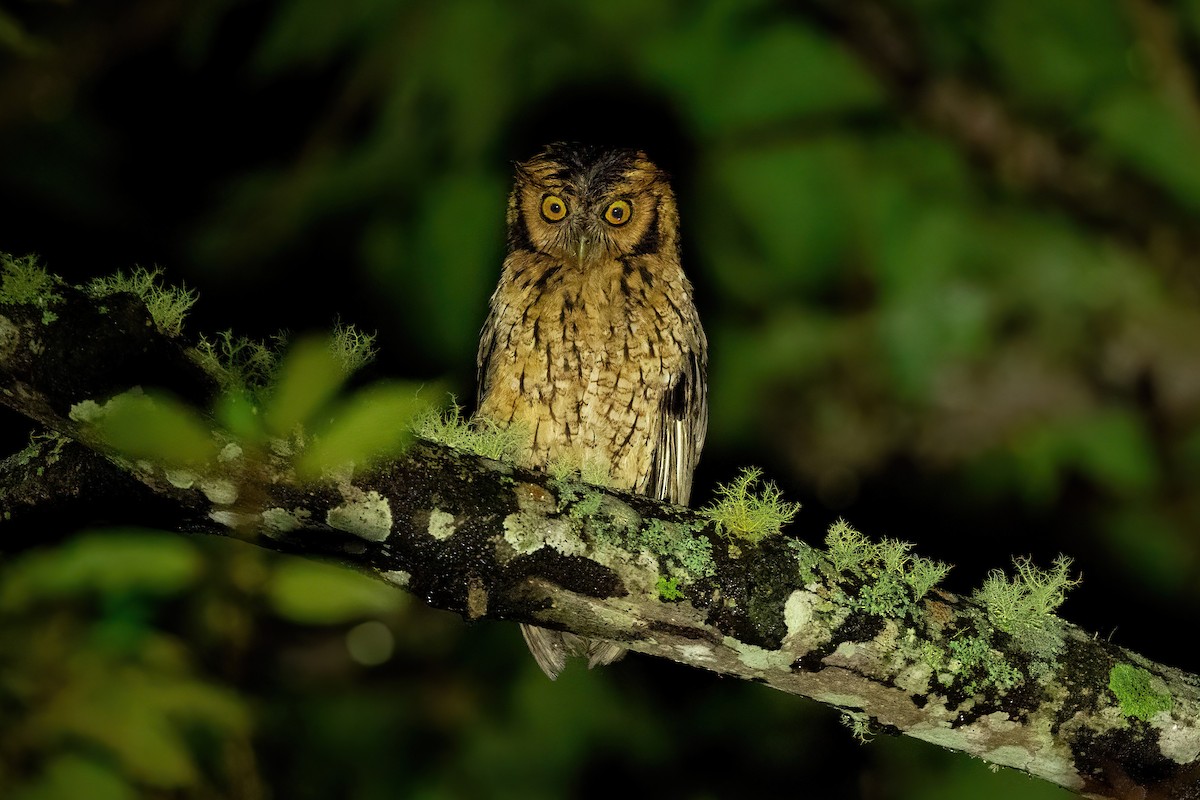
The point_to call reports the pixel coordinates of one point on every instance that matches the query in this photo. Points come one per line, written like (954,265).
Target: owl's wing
(682,423)
(487,346)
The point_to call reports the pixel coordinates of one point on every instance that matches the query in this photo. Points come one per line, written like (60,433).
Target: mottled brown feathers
(592,341)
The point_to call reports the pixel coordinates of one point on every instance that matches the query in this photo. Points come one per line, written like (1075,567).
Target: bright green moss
(1140,694)
(23,281)
(477,435)
(168,305)
(668,588)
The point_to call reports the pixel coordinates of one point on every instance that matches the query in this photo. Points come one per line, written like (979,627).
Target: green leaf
(71,775)
(158,428)
(308,377)
(372,423)
(311,593)
(106,562)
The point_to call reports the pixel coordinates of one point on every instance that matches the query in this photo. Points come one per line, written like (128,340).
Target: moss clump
(892,579)
(744,511)
(23,281)
(1024,605)
(237,363)
(168,305)
(668,589)
(477,435)
(352,349)
(1138,692)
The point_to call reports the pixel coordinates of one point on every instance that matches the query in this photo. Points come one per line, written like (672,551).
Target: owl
(592,342)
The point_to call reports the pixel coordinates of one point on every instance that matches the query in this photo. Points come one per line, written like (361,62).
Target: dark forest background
(946,254)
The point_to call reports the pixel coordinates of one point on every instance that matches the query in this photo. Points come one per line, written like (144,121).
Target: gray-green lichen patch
(441,524)
(397,577)
(759,658)
(181,478)
(1179,741)
(220,491)
(367,515)
(230,452)
(86,411)
(696,653)
(526,532)
(799,615)
(280,520)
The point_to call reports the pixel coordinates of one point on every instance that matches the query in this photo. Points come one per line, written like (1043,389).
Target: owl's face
(585,205)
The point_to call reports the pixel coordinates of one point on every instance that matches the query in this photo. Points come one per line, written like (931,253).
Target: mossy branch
(857,624)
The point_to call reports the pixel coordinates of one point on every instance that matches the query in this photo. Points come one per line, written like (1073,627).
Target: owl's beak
(583,244)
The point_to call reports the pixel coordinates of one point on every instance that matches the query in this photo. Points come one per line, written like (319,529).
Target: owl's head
(586,204)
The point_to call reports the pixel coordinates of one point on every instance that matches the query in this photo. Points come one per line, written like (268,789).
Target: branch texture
(486,540)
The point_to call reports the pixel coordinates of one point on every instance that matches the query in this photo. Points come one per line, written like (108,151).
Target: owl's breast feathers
(603,364)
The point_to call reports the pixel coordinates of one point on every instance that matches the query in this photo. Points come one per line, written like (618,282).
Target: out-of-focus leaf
(75,776)
(782,217)
(319,594)
(372,423)
(239,414)
(107,563)
(157,427)
(308,377)
(1150,133)
(1064,52)
(140,717)
(1108,445)
(747,83)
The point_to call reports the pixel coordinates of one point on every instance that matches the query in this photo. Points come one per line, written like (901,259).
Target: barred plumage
(592,340)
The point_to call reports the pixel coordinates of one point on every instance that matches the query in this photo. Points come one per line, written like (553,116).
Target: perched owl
(592,342)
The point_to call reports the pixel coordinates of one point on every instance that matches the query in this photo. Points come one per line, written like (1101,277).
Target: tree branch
(484,539)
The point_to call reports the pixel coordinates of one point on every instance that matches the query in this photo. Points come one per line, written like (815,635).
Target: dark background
(944,253)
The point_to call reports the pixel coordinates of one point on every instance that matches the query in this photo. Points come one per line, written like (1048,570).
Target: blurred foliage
(907,335)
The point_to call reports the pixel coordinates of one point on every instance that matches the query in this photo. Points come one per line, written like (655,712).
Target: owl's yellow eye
(617,213)
(554,208)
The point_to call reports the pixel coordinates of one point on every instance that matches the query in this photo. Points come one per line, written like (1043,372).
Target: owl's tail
(551,649)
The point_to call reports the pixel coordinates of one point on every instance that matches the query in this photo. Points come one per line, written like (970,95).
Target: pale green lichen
(397,577)
(87,411)
(477,435)
(220,491)
(168,305)
(181,478)
(860,725)
(352,349)
(675,543)
(237,363)
(230,452)
(1141,694)
(744,510)
(889,579)
(759,658)
(527,532)
(367,515)
(1024,605)
(441,524)
(23,281)
(280,520)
